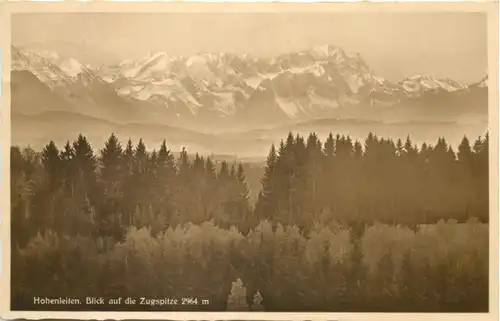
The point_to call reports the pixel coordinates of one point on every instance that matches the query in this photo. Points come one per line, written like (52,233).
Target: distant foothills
(228,103)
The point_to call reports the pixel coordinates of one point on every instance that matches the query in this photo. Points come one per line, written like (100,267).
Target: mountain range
(217,92)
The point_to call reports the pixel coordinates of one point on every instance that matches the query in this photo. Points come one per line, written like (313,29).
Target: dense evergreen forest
(339,225)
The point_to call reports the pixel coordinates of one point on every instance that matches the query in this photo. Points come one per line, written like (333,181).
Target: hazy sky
(395,45)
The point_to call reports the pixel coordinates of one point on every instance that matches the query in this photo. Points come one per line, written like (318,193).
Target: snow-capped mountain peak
(309,82)
(71,67)
(419,83)
(483,83)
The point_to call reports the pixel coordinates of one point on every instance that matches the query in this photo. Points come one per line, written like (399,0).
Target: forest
(339,225)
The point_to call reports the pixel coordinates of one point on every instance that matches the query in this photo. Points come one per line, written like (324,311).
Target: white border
(6,9)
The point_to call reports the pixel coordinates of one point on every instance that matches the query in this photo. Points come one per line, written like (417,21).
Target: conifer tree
(183,164)
(140,180)
(111,171)
(358,150)
(141,158)
(265,206)
(312,174)
(184,190)
(371,143)
(153,160)
(67,206)
(86,191)
(128,168)
(329,148)
(41,186)
(128,158)
(399,147)
(240,176)
(478,143)
(464,152)
(409,149)
(233,171)
(290,142)
(198,165)
(112,178)
(482,178)
(210,169)
(67,153)
(243,193)
(52,164)
(165,187)
(85,164)
(224,172)
(84,157)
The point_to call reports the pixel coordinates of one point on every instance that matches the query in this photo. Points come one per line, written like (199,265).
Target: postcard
(257,161)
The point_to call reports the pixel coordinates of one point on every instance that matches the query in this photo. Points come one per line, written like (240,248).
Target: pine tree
(409,149)
(224,172)
(284,180)
(290,142)
(128,158)
(67,206)
(67,153)
(210,169)
(371,143)
(240,176)
(399,147)
(112,178)
(329,148)
(153,160)
(87,194)
(358,150)
(440,151)
(481,178)
(20,195)
(183,193)
(464,152)
(266,202)
(141,158)
(344,148)
(424,152)
(242,185)
(211,199)
(478,144)
(164,187)
(199,165)
(140,179)
(183,164)
(42,187)
(239,201)
(232,174)
(129,198)
(85,163)
(52,164)
(312,174)
(84,157)
(111,171)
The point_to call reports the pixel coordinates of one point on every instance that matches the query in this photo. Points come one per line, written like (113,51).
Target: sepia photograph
(257,161)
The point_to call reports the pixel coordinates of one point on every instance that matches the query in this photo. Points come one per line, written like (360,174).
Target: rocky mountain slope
(212,92)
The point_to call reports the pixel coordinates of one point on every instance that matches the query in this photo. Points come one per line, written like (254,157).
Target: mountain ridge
(225,89)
